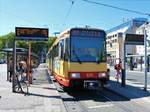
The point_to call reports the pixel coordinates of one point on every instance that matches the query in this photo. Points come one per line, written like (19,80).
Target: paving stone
(43,96)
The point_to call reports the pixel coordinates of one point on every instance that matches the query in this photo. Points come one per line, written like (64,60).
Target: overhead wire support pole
(145,59)
(123,83)
(123,77)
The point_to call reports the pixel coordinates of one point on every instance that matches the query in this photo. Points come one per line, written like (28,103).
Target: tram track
(117,98)
(124,103)
(72,98)
(80,101)
(70,102)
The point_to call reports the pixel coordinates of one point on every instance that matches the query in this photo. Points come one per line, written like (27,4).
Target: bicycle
(20,85)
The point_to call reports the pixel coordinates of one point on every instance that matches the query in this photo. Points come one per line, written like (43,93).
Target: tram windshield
(88,49)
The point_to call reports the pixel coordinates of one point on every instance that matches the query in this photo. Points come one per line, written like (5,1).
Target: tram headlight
(75,75)
(101,75)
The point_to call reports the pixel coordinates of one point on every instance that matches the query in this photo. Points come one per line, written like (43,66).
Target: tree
(36,47)
(50,41)
(7,40)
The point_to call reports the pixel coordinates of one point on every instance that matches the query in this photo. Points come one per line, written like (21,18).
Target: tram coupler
(89,84)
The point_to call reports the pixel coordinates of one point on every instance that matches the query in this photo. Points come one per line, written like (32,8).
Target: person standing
(10,69)
(118,70)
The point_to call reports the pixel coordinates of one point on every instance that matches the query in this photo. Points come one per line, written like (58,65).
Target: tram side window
(67,53)
(55,51)
(61,49)
(64,49)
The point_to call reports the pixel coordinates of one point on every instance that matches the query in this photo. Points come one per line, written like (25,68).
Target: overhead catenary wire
(118,8)
(20,17)
(67,15)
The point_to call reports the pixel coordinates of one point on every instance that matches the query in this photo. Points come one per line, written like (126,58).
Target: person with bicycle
(20,84)
(23,68)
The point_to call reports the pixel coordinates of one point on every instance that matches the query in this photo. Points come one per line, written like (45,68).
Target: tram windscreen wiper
(76,56)
(98,61)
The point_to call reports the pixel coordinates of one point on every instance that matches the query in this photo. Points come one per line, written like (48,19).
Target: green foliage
(50,41)
(7,40)
(36,47)
(1,43)
(22,44)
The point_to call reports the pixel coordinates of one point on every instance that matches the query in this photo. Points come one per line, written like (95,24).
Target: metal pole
(7,66)
(29,69)
(124,67)
(14,66)
(145,59)
(147,63)
(141,63)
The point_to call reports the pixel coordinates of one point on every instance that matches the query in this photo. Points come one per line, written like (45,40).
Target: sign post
(130,39)
(29,64)
(14,67)
(27,34)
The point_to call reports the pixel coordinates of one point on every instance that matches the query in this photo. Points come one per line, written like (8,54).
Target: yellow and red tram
(78,57)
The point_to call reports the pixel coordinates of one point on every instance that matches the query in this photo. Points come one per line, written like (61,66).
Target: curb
(50,78)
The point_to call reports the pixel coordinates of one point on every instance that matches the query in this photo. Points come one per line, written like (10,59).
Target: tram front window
(87,50)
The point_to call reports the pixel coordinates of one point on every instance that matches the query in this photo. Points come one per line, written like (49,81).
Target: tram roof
(67,31)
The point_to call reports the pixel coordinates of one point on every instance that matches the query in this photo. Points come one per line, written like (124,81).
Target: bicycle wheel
(17,87)
(24,87)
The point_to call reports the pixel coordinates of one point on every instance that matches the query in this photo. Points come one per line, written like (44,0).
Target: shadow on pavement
(45,96)
(49,88)
(98,96)
(129,91)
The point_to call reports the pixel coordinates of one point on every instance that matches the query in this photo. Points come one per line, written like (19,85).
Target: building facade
(140,30)
(115,39)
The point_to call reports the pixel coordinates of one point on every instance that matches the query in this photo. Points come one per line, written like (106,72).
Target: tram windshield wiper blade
(98,61)
(76,56)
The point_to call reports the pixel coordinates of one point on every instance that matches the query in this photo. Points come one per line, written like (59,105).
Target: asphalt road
(135,76)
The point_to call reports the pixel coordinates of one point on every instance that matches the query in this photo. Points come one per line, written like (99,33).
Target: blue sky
(52,14)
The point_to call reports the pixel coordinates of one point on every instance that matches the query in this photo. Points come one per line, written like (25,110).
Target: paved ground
(137,77)
(134,92)
(43,96)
